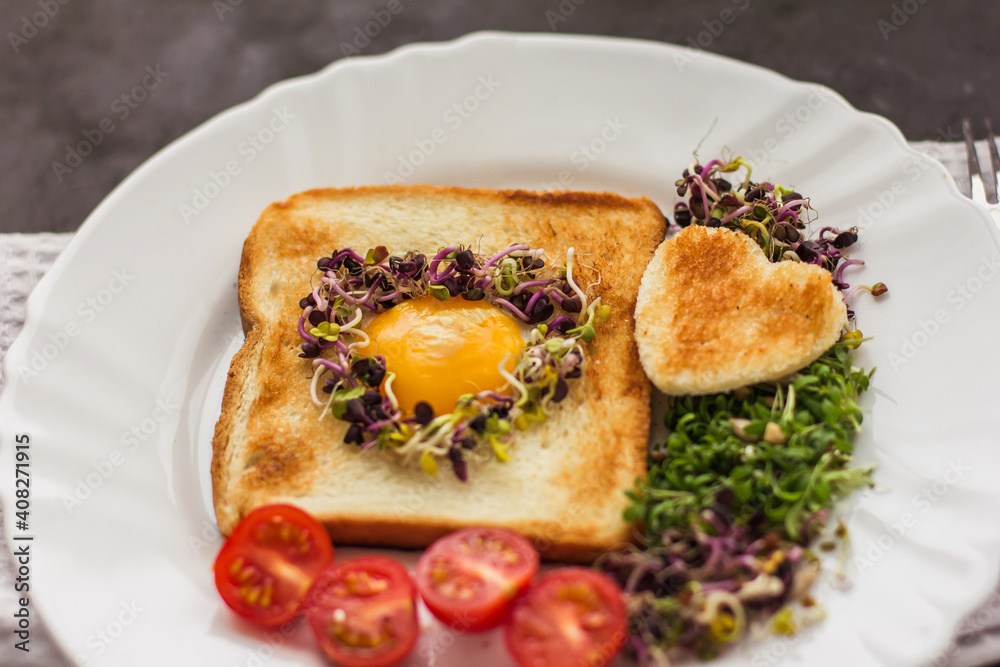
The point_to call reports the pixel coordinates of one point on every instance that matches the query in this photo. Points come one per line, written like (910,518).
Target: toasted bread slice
(563,486)
(713,314)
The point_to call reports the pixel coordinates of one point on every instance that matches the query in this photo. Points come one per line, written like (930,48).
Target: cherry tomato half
(469,578)
(570,617)
(267,565)
(363,612)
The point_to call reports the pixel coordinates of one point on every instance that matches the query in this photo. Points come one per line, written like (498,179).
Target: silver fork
(984,176)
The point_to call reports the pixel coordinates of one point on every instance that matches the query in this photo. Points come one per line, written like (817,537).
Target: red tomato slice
(571,617)
(363,612)
(267,565)
(469,578)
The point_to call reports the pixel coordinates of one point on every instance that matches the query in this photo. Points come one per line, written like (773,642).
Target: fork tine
(970,153)
(991,143)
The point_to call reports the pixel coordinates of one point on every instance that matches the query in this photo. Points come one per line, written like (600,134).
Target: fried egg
(441,350)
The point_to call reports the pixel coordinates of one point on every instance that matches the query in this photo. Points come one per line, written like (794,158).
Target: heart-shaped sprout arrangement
(358,389)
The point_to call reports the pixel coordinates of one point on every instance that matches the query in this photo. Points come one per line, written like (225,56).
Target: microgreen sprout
(773,216)
(726,509)
(745,480)
(359,388)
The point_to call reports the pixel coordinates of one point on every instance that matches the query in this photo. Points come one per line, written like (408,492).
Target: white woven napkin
(24,259)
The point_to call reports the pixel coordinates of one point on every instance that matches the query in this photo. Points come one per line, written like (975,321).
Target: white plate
(117,376)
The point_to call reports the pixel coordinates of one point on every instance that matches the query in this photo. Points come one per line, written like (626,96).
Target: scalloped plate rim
(80,243)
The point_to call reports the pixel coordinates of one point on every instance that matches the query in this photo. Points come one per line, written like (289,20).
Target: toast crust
(563,487)
(713,314)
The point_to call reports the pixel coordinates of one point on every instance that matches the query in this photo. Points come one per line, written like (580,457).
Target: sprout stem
(838,276)
(743,210)
(514,309)
(787,208)
(500,255)
(302,329)
(572,283)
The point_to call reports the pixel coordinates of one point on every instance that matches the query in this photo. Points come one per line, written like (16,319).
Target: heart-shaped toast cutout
(713,314)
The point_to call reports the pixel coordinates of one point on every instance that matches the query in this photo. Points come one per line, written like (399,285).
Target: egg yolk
(440,350)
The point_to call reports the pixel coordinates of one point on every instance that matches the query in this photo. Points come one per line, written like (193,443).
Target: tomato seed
(252,594)
(265,599)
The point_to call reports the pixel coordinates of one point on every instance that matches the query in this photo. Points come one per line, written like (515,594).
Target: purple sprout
(712,555)
(771,215)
